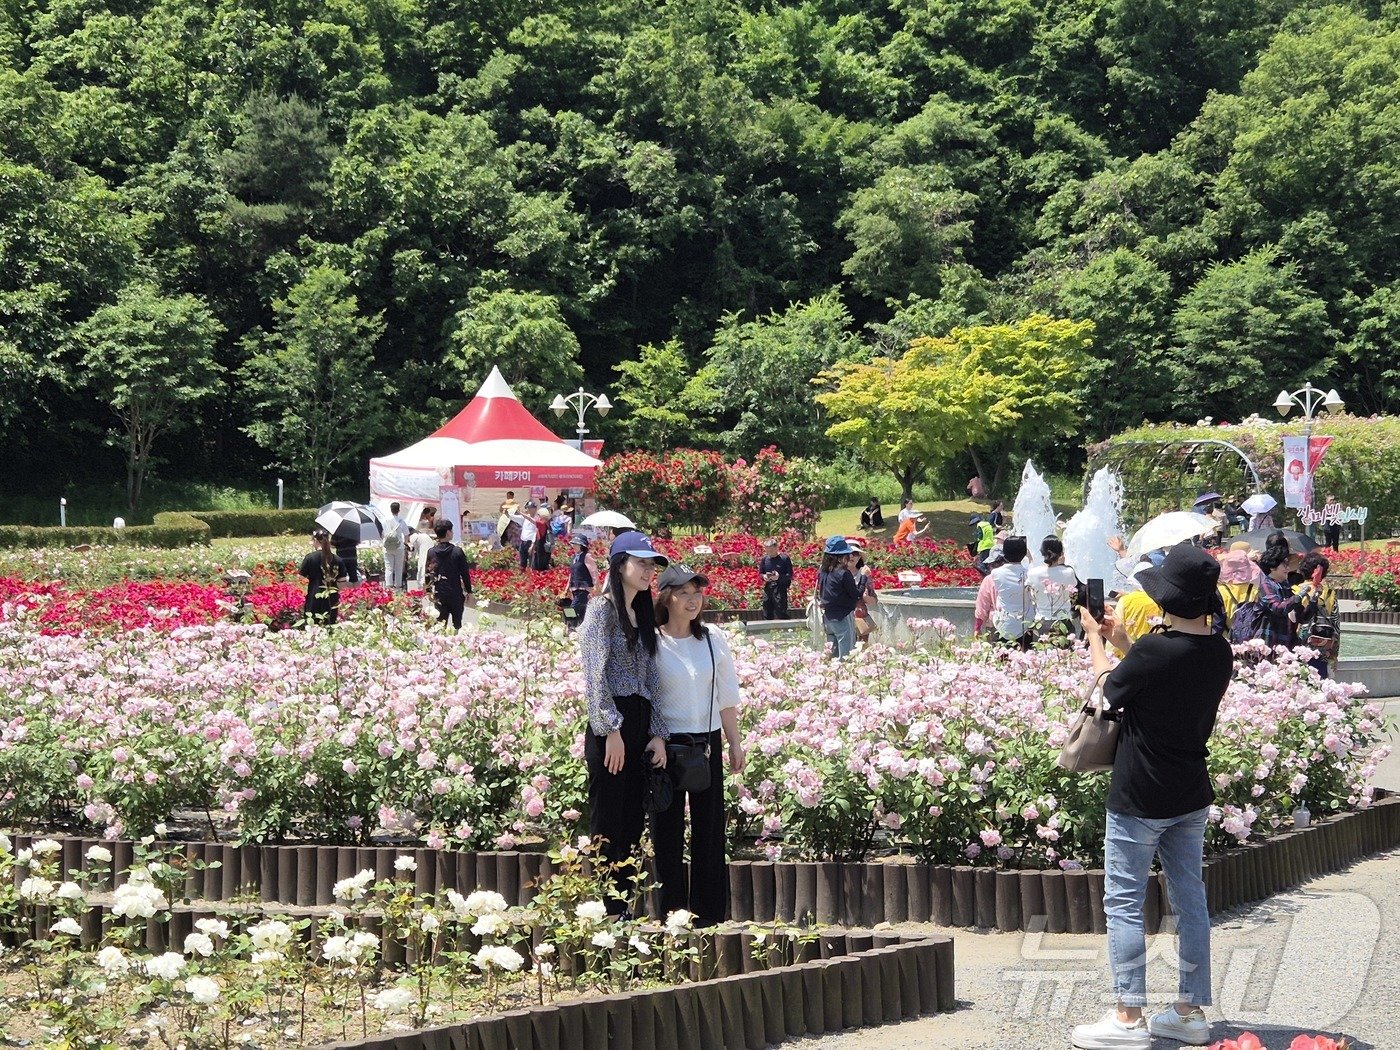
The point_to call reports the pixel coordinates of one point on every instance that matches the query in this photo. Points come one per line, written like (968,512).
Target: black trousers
(542,555)
(775,601)
(615,800)
(579,606)
(524,548)
(322,610)
(451,608)
(704,890)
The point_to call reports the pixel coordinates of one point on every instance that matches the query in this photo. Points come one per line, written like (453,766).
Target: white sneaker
(1109,1033)
(1192,1029)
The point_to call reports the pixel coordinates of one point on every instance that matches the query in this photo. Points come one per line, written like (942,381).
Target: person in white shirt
(1013,613)
(698,694)
(529,530)
(1053,587)
(419,544)
(396,538)
(906,510)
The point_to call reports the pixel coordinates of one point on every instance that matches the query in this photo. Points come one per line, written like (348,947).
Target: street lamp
(1312,401)
(581,401)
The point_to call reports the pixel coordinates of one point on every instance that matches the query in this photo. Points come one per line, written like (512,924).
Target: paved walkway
(1323,958)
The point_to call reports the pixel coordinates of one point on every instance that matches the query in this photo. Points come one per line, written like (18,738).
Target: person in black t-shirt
(322,570)
(1167,691)
(451,575)
(775,569)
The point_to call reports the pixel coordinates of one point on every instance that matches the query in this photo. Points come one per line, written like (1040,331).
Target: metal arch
(1164,449)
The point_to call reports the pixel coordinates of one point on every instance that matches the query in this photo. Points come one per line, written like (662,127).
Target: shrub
(686,487)
(774,493)
(171,529)
(257,522)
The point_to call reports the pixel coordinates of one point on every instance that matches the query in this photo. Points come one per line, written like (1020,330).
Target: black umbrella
(1298,542)
(347,522)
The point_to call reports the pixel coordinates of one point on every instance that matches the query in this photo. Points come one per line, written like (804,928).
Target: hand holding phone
(1094,598)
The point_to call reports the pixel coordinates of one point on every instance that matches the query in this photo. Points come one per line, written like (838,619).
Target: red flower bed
(164,604)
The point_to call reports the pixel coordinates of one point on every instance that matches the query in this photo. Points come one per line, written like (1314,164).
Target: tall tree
(150,357)
(664,404)
(522,333)
(317,399)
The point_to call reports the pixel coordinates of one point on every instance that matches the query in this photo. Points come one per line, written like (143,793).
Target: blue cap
(638,546)
(838,546)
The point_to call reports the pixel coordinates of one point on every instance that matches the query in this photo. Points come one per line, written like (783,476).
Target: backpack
(1249,620)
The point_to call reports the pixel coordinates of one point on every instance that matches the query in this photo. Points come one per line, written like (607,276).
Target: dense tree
(317,399)
(150,358)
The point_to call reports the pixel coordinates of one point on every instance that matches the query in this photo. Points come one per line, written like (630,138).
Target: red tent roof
(495,415)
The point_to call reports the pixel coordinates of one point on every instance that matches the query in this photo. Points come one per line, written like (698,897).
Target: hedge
(1360,467)
(257,522)
(171,529)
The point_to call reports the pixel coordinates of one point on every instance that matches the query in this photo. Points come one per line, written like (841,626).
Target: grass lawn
(947,519)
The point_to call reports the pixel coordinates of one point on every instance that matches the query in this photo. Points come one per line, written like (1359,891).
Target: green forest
(219,217)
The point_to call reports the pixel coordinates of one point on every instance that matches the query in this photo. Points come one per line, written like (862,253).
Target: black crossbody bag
(690,763)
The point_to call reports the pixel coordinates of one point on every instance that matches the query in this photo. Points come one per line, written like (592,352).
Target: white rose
(68,926)
(272,935)
(111,960)
(160,829)
(457,902)
(605,940)
(348,890)
(479,902)
(488,924)
(393,1000)
(35,888)
(639,946)
(429,923)
(337,949)
(364,940)
(5,844)
(592,911)
(69,891)
(199,944)
(545,950)
(45,847)
(213,927)
(499,956)
(203,990)
(405,863)
(167,967)
(679,921)
(99,855)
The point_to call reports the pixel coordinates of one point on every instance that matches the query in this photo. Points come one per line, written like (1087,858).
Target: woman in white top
(699,694)
(1013,613)
(1053,587)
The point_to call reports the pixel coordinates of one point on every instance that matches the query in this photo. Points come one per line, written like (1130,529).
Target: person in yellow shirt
(1137,614)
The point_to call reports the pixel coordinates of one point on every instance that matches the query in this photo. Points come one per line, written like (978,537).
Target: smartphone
(1094,598)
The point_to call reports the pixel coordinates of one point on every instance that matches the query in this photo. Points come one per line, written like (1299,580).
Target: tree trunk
(905,478)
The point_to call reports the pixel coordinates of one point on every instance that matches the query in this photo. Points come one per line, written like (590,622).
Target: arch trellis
(1168,475)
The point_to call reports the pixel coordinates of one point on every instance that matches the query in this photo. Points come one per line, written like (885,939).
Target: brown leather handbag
(1093,738)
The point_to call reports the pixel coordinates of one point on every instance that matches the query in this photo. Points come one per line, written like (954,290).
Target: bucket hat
(1184,584)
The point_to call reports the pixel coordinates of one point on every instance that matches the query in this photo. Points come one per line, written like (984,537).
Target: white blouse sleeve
(726,677)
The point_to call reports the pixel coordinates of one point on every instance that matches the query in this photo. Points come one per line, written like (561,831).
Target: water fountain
(1086,535)
(1032,515)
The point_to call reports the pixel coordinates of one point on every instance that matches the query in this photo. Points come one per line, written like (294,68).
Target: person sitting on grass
(872,517)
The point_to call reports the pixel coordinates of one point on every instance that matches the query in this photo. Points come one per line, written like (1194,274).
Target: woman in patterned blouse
(626,732)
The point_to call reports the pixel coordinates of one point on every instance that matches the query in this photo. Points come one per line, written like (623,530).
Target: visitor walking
(322,570)
(420,543)
(775,569)
(626,730)
(838,593)
(396,538)
(1014,611)
(699,694)
(1053,586)
(542,553)
(1167,691)
(448,575)
(583,579)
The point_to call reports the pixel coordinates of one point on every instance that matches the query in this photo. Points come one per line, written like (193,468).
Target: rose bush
(476,738)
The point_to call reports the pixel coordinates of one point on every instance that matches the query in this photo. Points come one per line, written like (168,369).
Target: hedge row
(257,522)
(1358,469)
(171,529)
(176,528)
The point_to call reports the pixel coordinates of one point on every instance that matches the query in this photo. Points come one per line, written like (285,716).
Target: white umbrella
(608,519)
(1259,503)
(350,521)
(1167,530)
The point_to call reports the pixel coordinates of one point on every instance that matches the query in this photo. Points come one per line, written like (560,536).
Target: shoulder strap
(714,675)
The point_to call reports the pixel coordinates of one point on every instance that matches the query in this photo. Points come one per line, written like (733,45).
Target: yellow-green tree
(987,390)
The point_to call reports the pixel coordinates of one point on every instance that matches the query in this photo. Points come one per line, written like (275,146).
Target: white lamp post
(63,511)
(1312,401)
(279,493)
(581,401)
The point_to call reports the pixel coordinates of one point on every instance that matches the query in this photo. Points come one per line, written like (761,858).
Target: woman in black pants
(625,730)
(699,694)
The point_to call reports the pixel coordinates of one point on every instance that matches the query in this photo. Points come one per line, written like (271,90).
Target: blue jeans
(842,635)
(1129,845)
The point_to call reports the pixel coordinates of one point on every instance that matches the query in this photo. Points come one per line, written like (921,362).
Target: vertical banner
(450,509)
(1301,458)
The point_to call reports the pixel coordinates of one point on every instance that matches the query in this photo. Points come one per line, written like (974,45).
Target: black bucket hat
(1184,584)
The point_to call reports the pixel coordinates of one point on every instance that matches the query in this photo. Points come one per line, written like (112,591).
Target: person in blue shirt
(839,594)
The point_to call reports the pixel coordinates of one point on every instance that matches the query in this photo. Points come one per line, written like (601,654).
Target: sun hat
(974,519)
(1185,583)
(638,546)
(679,576)
(995,556)
(1236,566)
(581,538)
(837,545)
